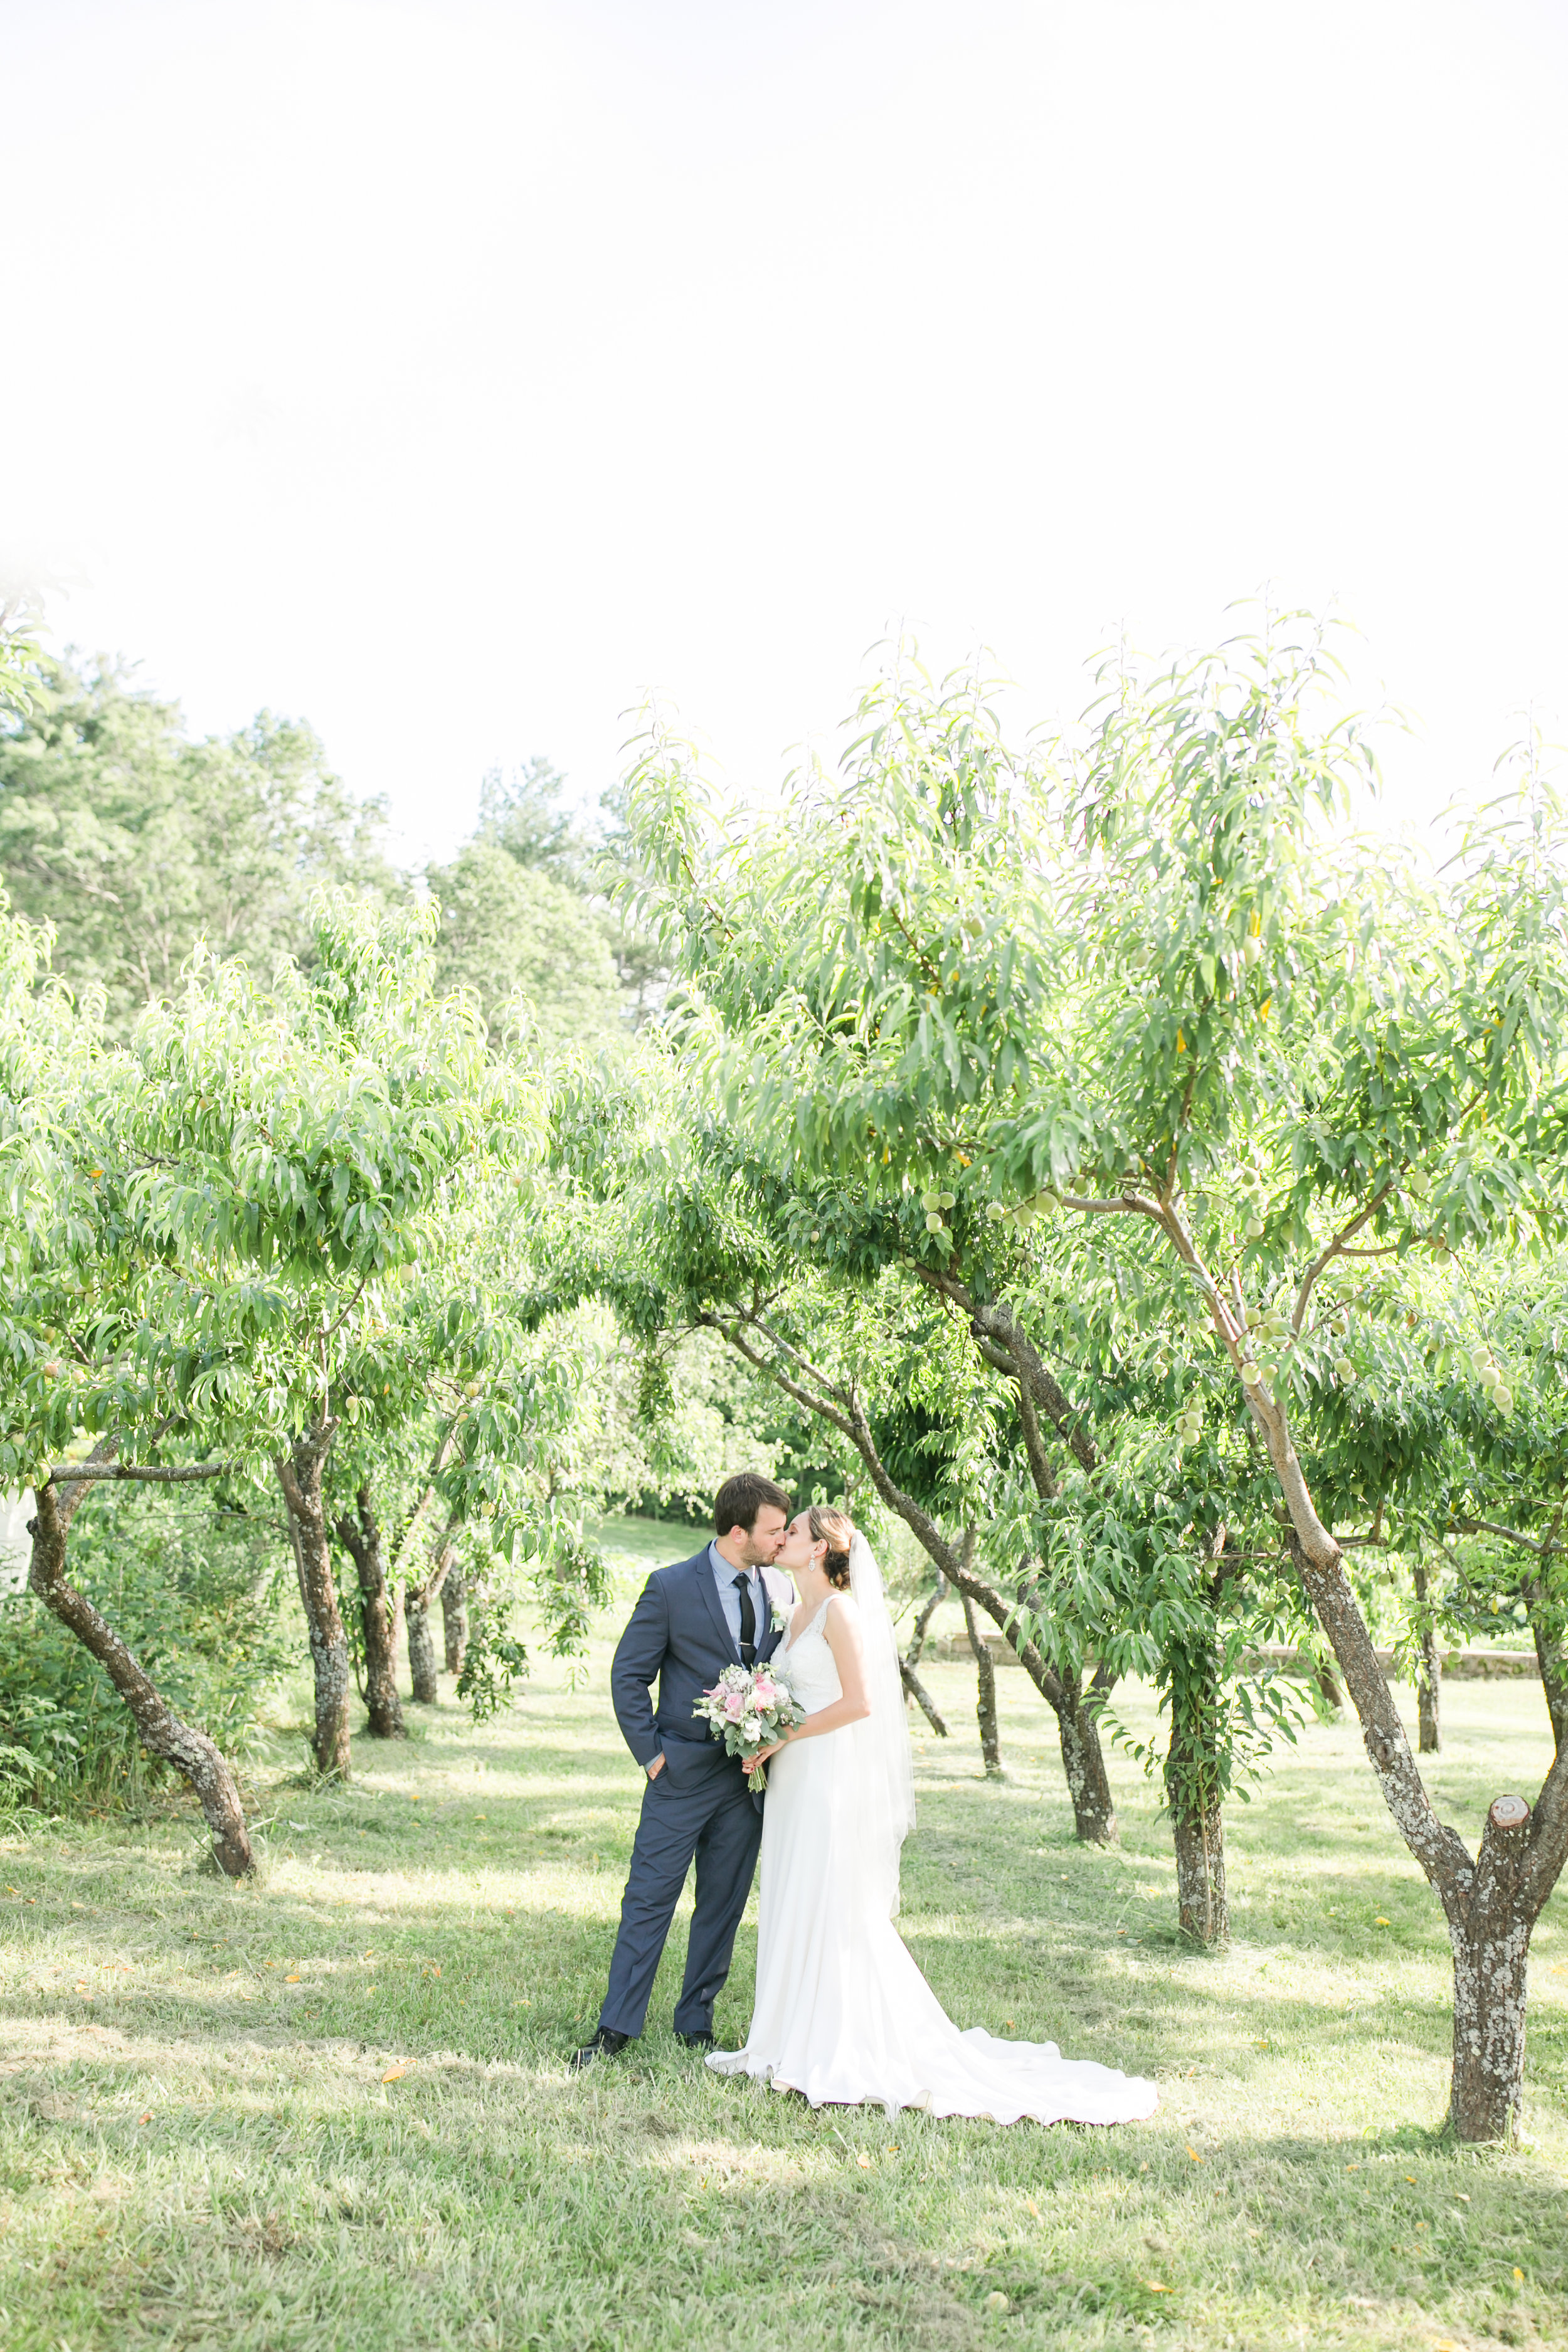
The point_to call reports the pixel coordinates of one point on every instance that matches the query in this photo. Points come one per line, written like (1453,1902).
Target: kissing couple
(843,2014)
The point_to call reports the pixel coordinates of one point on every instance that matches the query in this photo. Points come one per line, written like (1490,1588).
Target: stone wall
(1481,1664)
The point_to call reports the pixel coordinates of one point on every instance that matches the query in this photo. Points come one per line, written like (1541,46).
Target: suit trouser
(699,1806)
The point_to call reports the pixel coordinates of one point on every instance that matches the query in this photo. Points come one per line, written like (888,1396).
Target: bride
(843,2014)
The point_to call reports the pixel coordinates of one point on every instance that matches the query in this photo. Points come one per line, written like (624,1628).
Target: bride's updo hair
(835,1530)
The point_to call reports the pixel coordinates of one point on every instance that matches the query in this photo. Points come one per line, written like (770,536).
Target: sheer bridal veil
(882,1748)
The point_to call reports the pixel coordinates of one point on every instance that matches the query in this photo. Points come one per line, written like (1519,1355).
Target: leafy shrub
(190,1587)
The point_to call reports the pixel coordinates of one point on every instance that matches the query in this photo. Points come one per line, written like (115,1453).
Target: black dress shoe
(696,2041)
(604,2045)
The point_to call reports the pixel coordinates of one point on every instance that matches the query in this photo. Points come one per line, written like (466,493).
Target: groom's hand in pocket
(656,1767)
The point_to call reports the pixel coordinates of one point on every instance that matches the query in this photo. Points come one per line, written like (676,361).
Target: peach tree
(196,1229)
(1150,980)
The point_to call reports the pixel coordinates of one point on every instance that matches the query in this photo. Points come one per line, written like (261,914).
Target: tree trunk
(421,1649)
(1492,1902)
(454,1618)
(162,1732)
(361,1539)
(929,1608)
(1202,1912)
(1083,1758)
(1192,1786)
(1428,1674)
(913,1686)
(417,1620)
(1490,1932)
(300,1476)
(1081,1755)
(1547,1631)
(986,1693)
(1002,1342)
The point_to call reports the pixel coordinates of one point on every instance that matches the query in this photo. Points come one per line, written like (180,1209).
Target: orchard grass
(332,2110)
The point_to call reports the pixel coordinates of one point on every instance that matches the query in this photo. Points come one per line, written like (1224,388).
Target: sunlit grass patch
(388,2150)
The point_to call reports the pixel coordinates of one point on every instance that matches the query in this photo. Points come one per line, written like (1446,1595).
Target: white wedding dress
(843,2014)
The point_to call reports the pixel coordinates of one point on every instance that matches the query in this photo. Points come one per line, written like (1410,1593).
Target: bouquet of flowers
(749,1707)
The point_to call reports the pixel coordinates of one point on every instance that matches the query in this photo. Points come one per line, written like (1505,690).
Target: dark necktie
(748,1620)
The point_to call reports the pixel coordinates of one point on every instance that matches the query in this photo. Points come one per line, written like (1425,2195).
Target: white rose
(751,1728)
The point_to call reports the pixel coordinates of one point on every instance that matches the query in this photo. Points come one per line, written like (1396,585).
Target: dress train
(843,2014)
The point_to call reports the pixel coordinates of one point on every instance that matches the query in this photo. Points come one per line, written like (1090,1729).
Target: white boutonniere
(781,1622)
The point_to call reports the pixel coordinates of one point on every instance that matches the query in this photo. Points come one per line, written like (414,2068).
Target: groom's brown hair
(739,1500)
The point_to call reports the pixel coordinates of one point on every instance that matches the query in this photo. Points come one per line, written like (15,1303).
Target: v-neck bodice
(808,1661)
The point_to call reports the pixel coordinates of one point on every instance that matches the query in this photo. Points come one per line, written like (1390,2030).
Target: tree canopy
(1151,976)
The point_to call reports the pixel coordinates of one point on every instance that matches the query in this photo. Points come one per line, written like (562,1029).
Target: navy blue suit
(700,1806)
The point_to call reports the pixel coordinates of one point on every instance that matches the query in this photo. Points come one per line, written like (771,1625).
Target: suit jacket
(678,1633)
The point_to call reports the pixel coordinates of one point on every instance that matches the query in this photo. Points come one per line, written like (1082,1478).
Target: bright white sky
(451,374)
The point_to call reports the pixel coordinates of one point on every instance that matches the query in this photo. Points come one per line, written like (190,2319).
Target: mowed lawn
(333,2111)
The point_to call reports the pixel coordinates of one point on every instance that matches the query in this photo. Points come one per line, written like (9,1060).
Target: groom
(691,1622)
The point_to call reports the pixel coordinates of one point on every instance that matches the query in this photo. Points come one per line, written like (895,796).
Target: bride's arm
(843,1632)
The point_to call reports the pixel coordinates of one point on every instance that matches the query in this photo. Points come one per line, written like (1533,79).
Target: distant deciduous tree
(522,909)
(134,841)
(508,928)
(195,1232)
(522,814)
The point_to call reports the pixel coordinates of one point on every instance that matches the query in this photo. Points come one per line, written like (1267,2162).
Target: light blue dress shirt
(730,1600)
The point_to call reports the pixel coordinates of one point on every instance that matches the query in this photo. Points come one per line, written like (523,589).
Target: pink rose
(763,1692)
(734,1706)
